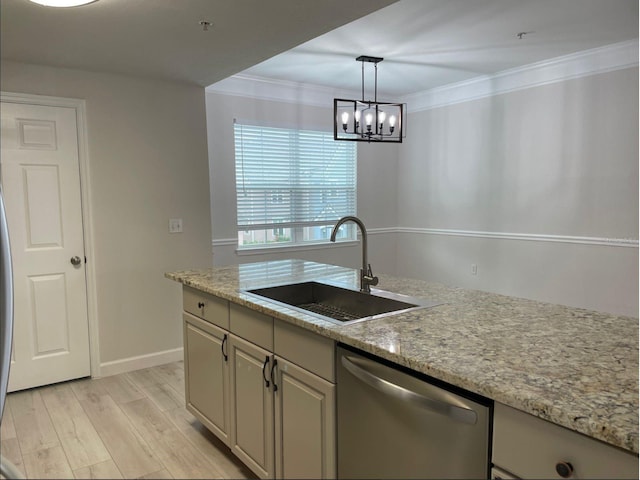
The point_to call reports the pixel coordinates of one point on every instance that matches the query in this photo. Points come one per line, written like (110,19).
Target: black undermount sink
(340,305)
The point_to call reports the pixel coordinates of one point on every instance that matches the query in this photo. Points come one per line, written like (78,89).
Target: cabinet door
(251,406)
(305,423)
(207,375)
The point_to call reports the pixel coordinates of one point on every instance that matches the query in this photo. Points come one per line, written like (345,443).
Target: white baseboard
(143,361)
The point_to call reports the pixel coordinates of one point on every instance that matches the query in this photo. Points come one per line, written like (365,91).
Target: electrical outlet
(474,269)
(175,225)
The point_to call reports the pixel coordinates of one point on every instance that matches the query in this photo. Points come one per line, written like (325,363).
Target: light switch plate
(175,225)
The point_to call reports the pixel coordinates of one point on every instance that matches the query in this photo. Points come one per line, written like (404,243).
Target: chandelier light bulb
(368,119)
(382,117)
(392,121)
(345,118)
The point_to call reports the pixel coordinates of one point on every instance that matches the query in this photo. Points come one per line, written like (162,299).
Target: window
(292,186)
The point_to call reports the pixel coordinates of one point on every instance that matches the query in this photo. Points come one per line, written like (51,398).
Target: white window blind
(288,181)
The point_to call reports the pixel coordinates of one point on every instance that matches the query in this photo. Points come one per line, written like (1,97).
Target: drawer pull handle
(224,342)
(273,380)
(264,369)
(455,412)
(564,469)
(200,304)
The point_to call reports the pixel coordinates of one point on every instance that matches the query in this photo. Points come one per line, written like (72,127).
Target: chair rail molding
(530,237)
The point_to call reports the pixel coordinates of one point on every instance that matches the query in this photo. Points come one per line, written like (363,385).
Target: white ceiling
(430,43)
(163,38)
(425,43)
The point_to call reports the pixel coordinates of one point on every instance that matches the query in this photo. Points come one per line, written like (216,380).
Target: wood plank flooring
(132,425)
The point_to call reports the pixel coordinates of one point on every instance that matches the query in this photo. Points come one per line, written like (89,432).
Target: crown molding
(588,62)
(262,88)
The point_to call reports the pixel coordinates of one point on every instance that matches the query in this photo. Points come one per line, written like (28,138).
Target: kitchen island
(573,367)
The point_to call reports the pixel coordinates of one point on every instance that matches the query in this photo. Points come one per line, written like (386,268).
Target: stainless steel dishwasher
(394,423)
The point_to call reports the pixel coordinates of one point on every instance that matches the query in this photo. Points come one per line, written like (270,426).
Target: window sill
(295,248)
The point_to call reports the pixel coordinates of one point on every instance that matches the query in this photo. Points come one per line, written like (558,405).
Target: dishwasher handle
(455,412)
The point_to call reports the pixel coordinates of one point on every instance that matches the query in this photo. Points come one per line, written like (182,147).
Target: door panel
(251,406)
(42,191)
(305,424)
(207,375)
(50,328)
(41,183)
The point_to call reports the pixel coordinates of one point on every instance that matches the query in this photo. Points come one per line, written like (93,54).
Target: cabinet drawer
(251,325)
(307,349)
(530,447)
(211,308)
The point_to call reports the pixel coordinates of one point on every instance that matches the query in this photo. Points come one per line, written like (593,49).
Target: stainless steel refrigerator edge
(6,304)
(392,424)
(7,469)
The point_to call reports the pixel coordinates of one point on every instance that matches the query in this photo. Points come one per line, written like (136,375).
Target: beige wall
(377,173)
(557,165)
(147,163)
(559,160)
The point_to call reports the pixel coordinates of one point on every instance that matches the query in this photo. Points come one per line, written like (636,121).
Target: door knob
(76,260)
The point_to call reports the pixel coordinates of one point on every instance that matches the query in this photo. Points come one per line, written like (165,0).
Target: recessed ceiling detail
(432,43)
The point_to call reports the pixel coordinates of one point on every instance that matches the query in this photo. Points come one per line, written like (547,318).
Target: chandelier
(367,120)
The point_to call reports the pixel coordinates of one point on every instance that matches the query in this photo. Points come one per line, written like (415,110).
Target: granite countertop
(574,367)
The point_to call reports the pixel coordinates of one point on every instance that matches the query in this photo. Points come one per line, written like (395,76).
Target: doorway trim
(79,106)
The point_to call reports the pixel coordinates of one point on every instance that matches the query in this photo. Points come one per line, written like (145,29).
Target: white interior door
(41,184)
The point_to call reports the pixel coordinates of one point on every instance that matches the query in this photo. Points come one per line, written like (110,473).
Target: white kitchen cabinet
(252,421)
(275,411)
(305,423)
(207,374)
(305,403)
(529,447)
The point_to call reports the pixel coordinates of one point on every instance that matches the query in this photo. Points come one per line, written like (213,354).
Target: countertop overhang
(573,367)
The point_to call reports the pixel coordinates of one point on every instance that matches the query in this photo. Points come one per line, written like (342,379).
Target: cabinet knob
(564,469)
(200,304)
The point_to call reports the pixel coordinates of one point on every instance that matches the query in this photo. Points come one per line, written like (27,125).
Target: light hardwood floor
(132,425)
